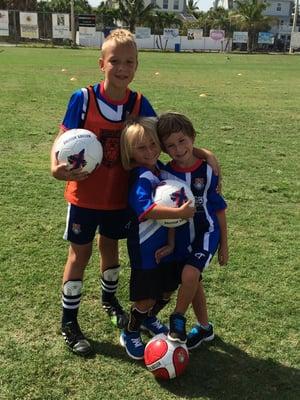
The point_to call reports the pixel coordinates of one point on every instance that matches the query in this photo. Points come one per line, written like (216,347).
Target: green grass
(250,119)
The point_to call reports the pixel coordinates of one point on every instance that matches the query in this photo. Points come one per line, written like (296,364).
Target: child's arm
(60,172)
(168,248)
(185,211)
(211,160)
(223,246)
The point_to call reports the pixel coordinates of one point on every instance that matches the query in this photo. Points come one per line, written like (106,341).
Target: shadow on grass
(222,371)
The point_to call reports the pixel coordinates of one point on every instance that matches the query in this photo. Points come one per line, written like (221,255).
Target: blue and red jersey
(90,108)
(146,235)
(204,226)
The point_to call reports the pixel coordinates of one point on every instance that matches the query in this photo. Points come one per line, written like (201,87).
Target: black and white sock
(109,283)
(71,296)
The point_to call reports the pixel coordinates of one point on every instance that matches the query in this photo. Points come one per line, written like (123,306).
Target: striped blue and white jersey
(145,235)
(204,226)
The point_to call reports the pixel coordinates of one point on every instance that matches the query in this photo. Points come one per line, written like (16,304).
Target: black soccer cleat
(117,315)
(177,332)
(75,339)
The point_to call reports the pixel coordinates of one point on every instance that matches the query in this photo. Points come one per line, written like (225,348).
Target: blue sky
(203,5)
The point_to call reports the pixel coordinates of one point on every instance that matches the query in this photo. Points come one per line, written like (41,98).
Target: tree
(160,20)
(249,17)
(106,15)
(134,12)
(191,7)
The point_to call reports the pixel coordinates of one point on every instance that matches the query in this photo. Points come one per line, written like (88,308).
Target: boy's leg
(203,331)
(78,258)
(109,280)
(130,337)
(189,284)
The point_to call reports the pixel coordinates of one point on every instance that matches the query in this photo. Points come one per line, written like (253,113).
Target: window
(278,7)
(165,4)
(176,4)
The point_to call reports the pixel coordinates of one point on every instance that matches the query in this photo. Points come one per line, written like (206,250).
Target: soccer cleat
(75,339)
(154,326)
(197,335)
(133,344)
(117,315)
(177,332)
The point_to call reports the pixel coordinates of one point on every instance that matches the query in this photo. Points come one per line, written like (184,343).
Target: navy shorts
(203,249)
(153,283)
(82,223)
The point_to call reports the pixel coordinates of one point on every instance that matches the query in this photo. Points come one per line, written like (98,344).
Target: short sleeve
(72,117)
(215,200)
(146,108)
(140,197)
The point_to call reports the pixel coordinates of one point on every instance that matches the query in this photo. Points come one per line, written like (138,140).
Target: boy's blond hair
(119,36)
(134,132)
(172,122)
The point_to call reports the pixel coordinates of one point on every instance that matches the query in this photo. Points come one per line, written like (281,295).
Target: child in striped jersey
(197,241)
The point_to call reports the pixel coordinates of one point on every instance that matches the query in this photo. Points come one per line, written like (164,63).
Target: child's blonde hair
(172,122)
(134,132)
(119,36)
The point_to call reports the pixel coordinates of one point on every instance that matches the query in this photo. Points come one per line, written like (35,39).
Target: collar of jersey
(111,101)
(192,168)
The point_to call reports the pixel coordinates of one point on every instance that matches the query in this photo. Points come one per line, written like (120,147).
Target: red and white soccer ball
(79,148)
(172,193)
(164,358)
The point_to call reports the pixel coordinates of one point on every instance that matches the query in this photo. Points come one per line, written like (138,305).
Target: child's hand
(163,252)
(186,210)
(223,255)
(61,172)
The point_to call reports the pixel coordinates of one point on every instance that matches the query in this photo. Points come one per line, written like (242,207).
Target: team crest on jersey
(77,160)
(110,141)
(198,183)
(179,197)
(76,228)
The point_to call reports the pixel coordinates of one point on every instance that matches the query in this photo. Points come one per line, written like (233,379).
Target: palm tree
(249,16)
(191,7)
(134,12)
(160,20)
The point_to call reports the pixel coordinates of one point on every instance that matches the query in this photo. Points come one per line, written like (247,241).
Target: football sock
(136,317)
(158,306)
(71,296)
(109,283)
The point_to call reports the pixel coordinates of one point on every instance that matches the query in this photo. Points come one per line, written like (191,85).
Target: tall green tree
(134,12)
(249,16)
(191,7)
(107,16)
(160,20)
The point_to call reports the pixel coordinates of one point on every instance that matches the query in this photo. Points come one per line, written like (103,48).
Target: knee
(190,275)
(79,256)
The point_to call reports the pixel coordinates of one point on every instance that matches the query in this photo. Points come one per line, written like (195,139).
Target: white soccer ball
(164,358)
(79,148)
(172,193)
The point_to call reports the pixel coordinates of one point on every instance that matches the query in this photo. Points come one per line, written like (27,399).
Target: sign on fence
(240,37)
(216,34)
(194,34)
(4,23)
(142,33)
(29,25)
(87,20)
(61,26)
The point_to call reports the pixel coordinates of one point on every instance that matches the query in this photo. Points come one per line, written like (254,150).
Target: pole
(73,31)
(294,24)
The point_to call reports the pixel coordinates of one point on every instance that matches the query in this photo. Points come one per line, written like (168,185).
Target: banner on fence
(61,26)
(295,40)
(142,33)
(240,37)
(87,20)
(4,23)
(265,38)
(87,32)
(29,25)
(171,33)
(194,34)
(216,34)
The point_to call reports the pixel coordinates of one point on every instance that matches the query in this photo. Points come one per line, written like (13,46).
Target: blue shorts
(204,248)
(82,223)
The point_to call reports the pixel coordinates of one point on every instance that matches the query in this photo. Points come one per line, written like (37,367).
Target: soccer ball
(172,193)
(79,148)
(164,358)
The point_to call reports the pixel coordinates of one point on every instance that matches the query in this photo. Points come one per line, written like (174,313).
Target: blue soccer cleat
(154,326)
(133,344)
(197,335)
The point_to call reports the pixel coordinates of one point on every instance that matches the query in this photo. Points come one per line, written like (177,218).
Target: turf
(248,115)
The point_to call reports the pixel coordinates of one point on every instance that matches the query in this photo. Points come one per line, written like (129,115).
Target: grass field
(250,118)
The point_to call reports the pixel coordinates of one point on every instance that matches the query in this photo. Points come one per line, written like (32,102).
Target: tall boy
(98,201)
